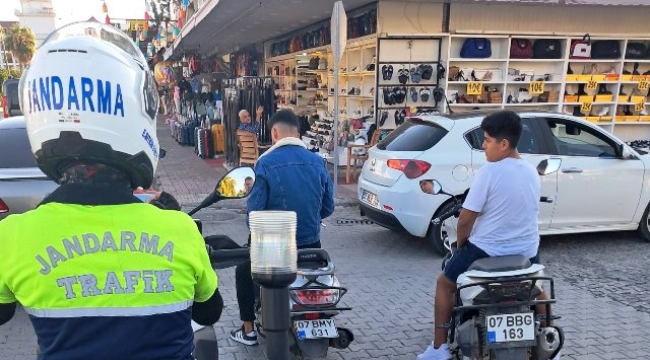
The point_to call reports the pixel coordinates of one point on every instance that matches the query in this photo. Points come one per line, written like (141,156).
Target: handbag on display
(521,49)
(636,50)
(581,49)
(476,48)
(606,49)
(547,49)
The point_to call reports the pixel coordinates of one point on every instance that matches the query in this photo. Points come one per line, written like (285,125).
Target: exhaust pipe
(344,339)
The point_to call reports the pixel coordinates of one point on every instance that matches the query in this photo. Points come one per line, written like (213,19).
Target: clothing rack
(248,93)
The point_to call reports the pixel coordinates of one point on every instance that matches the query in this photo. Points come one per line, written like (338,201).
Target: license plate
(510,327)
(315,329)
(369,198)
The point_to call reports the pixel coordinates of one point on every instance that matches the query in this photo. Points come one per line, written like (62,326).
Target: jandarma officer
(101,274)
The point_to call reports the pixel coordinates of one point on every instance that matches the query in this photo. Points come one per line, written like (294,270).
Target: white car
(602,183)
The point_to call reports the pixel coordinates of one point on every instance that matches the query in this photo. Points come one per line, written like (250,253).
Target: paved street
(601,279)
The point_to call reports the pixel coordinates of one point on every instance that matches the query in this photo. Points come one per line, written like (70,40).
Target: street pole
(339,34)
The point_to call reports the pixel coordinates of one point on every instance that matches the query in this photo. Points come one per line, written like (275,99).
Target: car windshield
(413,135)
(15,150)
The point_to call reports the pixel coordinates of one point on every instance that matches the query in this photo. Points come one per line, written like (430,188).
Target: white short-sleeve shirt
(506,195)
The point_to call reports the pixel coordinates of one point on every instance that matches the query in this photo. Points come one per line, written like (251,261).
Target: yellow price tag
(643,85)
(591,85)
(585,107)
(536,87)
(474,88)
(639,106)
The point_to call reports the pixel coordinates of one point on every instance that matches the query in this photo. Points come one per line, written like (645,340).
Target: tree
(21,42)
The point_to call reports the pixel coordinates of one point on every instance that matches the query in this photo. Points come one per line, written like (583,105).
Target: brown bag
(521,49)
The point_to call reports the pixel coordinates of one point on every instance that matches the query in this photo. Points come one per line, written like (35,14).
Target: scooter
(314,295)
(495,314)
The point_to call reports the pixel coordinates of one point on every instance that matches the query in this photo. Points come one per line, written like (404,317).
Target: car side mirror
(549,166)
(624,152)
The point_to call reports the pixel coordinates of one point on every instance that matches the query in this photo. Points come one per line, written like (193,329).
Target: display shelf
(600,88)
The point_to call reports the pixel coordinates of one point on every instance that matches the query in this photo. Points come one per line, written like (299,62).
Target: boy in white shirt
(499,217)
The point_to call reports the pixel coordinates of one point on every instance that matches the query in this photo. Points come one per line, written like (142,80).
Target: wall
(561,20)
(409,18)
(39,16)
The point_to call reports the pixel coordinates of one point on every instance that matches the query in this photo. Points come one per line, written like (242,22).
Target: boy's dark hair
(503,125)
(286,117)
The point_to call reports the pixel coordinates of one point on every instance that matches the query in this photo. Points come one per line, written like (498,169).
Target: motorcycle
(314,295)
(495,312)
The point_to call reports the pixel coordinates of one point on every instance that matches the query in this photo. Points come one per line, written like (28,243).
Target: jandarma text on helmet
(83,93)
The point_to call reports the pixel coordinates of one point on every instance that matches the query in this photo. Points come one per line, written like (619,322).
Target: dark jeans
(463,258)
(246,286)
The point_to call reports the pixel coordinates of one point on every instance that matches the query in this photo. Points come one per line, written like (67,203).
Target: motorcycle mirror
(236,184)
(549,166)
(431,186)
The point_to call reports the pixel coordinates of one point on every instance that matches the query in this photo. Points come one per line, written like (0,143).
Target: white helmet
(88,97)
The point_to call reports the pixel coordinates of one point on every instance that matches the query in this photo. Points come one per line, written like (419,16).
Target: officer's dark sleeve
(208,312)
(7,312)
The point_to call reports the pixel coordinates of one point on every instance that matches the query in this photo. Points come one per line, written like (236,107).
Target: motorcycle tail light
(312,316)
(310,297)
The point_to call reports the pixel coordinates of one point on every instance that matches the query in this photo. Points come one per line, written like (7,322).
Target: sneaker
(249,339)
(441,353)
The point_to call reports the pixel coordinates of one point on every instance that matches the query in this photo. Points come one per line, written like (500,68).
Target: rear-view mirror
(237,183)
(549,166)
(430,186)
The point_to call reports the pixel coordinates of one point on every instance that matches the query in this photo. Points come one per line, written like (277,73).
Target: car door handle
(571,170)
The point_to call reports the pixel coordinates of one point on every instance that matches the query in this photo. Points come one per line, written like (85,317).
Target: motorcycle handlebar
(453,211)
(224,258)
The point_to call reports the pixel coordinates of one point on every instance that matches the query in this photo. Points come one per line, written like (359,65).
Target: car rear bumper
(381,218)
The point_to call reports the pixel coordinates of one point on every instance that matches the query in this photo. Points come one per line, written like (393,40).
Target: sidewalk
(190,179)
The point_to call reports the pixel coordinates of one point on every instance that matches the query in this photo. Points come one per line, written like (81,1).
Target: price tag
(536,87)
(591,85)
(585,107)
(639,106)
(643,85)
(474,88)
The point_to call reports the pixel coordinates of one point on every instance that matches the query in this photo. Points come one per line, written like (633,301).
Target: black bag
(547,49)
(636,51)
(606,49)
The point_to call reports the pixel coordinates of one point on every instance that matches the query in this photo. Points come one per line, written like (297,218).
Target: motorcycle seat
(501,263)
(312,258)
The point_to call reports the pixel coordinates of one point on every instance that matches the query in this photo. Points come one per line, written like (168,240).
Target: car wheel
(436,234)
(644,224)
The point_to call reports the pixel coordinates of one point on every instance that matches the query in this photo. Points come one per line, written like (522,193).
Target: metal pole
(276,318)
(336,124)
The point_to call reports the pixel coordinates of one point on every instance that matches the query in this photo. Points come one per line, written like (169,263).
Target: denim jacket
(291,178)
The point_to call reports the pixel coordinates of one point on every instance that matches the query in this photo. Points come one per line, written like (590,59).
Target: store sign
(135,24)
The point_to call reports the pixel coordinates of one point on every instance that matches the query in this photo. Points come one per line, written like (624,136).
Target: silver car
(22,184)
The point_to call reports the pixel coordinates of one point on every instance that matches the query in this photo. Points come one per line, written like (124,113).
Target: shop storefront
(587,58)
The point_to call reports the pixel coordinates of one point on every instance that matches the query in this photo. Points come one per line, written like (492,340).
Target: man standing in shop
(282,169)
(247,124)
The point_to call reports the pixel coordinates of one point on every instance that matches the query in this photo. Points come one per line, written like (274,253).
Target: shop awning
(223,26)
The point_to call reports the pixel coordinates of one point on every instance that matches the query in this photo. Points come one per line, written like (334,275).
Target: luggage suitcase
(218,138)
(206,149)
(172,128)
(197,138)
